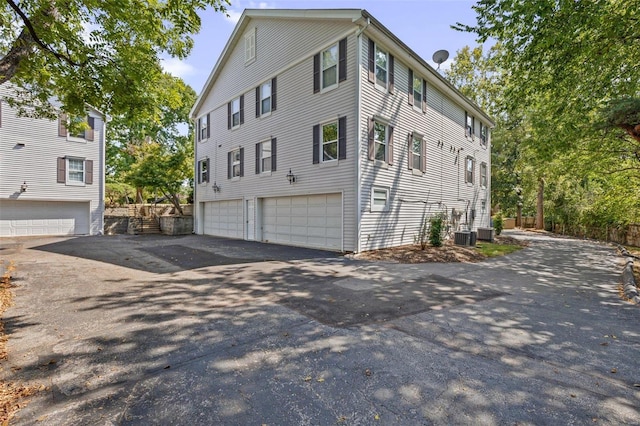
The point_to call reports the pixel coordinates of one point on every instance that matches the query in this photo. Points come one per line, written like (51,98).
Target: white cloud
(177,68)
(235,11)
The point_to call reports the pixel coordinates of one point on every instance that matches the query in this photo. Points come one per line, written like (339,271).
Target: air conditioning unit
(462,238)
(485,234)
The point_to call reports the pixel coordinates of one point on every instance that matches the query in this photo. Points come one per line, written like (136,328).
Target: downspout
(103,172)
(358,137)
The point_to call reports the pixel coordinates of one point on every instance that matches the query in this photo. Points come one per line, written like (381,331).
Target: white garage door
(223,218)
(307,221)
(22,218)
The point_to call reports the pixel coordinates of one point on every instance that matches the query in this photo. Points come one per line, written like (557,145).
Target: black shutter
(199,171)
(229,115)
(258,101)
(316,144)
(372,61)
(274,84)
(342,138)
(342,63)
(208,126)
(316,73)
(258,158)
(88,172)
(391,73)
(273,154)
(62,170)
(198,128)
(241,162)
(228,165)
(424,95)
(410,88)
(241,109)
(372,150)
(390,145)
(88,133)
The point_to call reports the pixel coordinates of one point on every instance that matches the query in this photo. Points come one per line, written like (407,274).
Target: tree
(105,54)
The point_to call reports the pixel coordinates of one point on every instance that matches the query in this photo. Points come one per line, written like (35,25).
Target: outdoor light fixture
(216,188)
(23,187)
(291,177)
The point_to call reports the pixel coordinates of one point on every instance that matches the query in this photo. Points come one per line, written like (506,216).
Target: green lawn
(493,250)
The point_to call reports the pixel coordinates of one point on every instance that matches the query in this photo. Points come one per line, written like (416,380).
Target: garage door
(223,218)
(23,218)
(307,221)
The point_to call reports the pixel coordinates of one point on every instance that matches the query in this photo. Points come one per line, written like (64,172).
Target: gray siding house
(51,182)
(320,128)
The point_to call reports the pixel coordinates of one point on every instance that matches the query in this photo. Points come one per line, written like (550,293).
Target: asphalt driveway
(199,330)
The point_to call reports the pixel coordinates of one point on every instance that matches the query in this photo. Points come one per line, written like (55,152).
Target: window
(379,199)
(74,171)
(203,171)
(330,141)
(381,67)
(483,175)
(417,92)
(470,166)
(484,133)
(250,46)
(330,67)
(235,112)
(87,125)
(380,140)
(266,97)
(266,156)
(416,152)
(469,125)
(203,127)
(235,163)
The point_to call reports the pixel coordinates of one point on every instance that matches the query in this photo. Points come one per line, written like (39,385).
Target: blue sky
(424,25)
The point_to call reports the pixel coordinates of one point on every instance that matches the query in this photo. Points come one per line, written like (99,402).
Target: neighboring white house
(51,183)
(320,128)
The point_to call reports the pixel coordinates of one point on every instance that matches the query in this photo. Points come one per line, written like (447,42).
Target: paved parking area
(200,330)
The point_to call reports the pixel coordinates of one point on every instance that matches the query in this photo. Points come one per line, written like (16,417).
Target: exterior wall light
(291,177)
(23,187)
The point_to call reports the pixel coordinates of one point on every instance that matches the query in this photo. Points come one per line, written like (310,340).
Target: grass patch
(493,249)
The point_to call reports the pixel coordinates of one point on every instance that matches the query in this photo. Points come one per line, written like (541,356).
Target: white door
(307,221)
(223,218)
(251,221)
(22,218)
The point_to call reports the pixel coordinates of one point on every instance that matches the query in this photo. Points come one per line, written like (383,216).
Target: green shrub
(435,231)
(498,223)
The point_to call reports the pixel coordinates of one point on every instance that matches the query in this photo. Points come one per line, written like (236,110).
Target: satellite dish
(440,56)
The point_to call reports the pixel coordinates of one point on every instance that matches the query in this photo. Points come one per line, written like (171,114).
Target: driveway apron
(197,330)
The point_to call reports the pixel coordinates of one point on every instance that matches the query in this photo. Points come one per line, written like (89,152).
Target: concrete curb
(629,286)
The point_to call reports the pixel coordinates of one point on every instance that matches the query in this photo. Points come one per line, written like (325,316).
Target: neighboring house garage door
(223,218)
(22,218)
(308,221)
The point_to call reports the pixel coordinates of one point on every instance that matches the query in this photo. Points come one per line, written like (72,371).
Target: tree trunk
(22,48)
(519,216)
(139,199)
(540,205)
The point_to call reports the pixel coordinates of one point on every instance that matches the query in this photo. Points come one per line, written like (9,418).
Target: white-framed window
(330,141)
(265,156)
(75,171)
(250,46)
(416,151)
(379,199)
(329,65)
(380,141)
(382,67)
(483,174)
(265,98)
(236,163)
(203,126)
(484,135)
(469,125)
(235,112)
(203,171)
(469,169)
(417,92)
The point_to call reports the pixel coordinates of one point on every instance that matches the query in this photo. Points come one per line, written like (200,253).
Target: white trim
(337,66)
(358,103)
(379,189)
